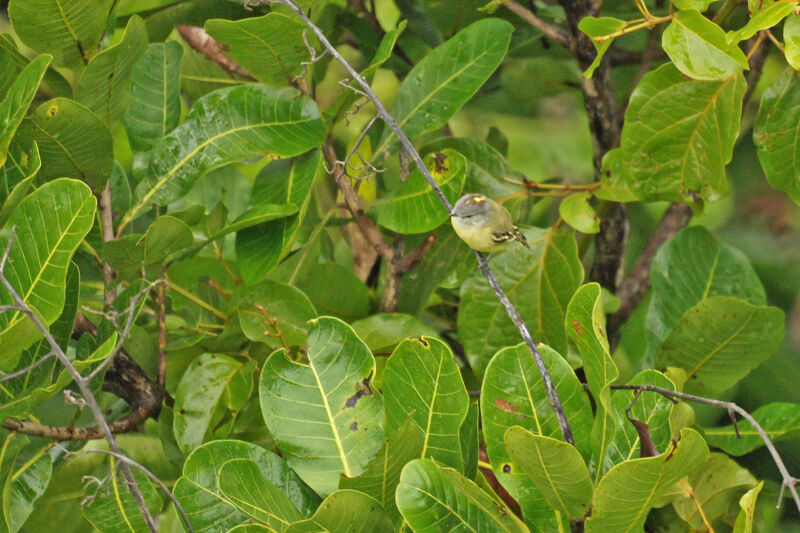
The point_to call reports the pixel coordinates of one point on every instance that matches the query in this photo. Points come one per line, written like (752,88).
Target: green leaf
(586,328)
(324,415)
(21,396)
(699,5)
(414,207)
(18,99)
(335,290)
(346,511)
(513,394)
(650,408)
(104,85)
(781,421)
(598,27)
(556,468)
(539,282)
(698,48)
(445,79)
(256,121)
(434,498)
(155,105)
(200,390)
(68,29)
(628,491)
(381,332)
(269,47)
(243,484)
(791,41)
(469,435)
(775,133)
(261,304)
(16,177)
(165,235)
(14,61)
(680,155)
(199,493)
(382,475)
(764,19)
(113,509)
(720,340)
(26,484)
(259,248)
(714,486)
(745,519)
(576,211)
(422,381)
(50,224)
(689,268)
(73,142)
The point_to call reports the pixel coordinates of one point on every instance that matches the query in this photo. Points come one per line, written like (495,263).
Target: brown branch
(637,282)
(211,48)
(161,322)
(405,142)
(789,481)
(547,29)
(61,433)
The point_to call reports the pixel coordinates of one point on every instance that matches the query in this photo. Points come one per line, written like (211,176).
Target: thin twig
(547,29)
(82,383)
(789,481)
(7,377)
(390,121)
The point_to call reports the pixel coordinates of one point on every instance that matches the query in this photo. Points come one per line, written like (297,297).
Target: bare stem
(390,121)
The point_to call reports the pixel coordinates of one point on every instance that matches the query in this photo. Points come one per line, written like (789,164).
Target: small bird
(485,225)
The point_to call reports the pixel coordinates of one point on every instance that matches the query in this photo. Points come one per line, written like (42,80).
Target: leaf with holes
(324,416)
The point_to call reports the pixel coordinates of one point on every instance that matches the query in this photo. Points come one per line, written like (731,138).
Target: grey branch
(390,121)
(789,481)
(83,384)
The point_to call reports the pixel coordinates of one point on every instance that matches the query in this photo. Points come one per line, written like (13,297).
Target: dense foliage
(215,251)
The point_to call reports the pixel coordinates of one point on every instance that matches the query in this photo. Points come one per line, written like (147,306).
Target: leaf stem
(647,23)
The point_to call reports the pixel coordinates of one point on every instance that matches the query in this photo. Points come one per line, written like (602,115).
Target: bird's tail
(518,235)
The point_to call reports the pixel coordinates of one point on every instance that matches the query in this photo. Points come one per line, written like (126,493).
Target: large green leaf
(17,100)
(198,489)
(68,29)
(346,511)
(73,142)
(16,177)
(434,498)
(422,381)
(444,80)
(104,85)
(513,394)
(414,207)
(200,390)
(714,485)
(775,134)
(556,468)
(22,395)
(268,47)
(50,224)
(223,127)
(324,415)
(259,248)
(764,19)
(26,484)
(781,421)
(693,266)
(272,313)
(155,105)
(627,493)
(382,475)
(113,509)
(678,155)
(335,290)
(381,332)
(243,484)
(720,340)
(11,59)
(699,49)
(586,328)
(539,282)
